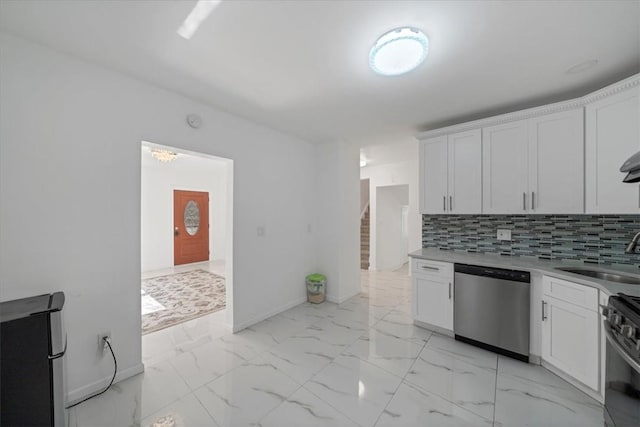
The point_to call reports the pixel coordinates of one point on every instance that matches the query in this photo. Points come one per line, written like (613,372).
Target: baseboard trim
(335,300)
(438,329)
(260,318)
(535,359)
(80,393)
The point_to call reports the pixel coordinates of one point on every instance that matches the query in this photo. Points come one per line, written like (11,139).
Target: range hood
(632,168)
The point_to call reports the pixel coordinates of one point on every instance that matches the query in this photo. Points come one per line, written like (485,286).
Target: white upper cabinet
(556,163)
(612,136)
(561,158)
(504,168)
(465,172)
(433,175)
(451,173)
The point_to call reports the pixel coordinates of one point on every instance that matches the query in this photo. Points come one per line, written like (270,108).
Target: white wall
(159,180)
(395,174)
(391,244)
(70,180)
(339,219)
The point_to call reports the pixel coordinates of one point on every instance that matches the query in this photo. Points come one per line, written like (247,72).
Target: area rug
(180,297)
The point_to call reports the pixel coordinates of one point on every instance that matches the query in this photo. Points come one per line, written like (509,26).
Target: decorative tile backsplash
(594,239)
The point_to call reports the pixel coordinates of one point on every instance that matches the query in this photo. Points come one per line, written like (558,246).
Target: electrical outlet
(102,344)
(504,234)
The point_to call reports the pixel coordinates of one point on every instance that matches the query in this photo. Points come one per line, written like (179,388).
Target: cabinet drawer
(432,268)
(573,293)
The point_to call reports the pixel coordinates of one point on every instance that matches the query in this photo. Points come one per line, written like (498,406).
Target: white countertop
(536,265)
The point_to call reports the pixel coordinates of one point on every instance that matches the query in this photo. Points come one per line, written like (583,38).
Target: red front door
(190,226)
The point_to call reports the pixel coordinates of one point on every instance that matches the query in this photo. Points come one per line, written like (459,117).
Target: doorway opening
(187,244)
(392,210)
(389,180)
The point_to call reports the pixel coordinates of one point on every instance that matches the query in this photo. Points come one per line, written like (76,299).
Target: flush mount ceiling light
(199,13)
(582,66)
(398,51)
(164,156)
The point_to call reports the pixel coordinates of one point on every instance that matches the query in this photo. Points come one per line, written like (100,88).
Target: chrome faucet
(631,247)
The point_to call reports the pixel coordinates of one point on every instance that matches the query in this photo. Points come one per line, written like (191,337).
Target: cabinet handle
(544,315)
(426,267)
(524,201)
(444,203)
(449,290)
(450,203)
(533,195)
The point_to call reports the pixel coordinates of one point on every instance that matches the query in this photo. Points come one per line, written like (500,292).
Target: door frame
(228,236)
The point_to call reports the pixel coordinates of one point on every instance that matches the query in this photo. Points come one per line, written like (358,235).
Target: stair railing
(364,211)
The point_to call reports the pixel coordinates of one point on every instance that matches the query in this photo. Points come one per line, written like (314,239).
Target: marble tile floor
(361,363)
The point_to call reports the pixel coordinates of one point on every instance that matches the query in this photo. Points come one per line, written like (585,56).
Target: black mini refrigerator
(32,373)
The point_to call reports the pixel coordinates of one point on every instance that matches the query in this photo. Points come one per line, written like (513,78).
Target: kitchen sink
(602,275)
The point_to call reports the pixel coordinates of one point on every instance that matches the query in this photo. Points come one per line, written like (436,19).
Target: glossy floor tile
(362,363)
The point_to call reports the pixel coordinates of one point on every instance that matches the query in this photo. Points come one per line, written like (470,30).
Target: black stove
(623,320)
(622,377)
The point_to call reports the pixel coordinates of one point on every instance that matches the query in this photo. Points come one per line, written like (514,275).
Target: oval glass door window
(191,217)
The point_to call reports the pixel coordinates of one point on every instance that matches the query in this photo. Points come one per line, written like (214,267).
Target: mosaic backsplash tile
(594,239)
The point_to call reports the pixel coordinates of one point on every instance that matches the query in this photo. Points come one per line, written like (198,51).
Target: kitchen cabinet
(451,173)
(556,163)
(504,168)
(612,136)
(464,163)
(535,165)
(561,158)
(432,289)
(433,175)
(570,330)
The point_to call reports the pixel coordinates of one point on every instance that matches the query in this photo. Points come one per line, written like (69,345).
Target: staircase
(364,240)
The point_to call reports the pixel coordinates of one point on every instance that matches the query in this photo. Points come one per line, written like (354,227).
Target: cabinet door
(465,172)
(433,175)
(433,301)
(570,340)
(612,136)
(556,163)
(504,168)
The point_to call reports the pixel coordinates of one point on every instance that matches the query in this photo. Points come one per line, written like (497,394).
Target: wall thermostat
(194,121)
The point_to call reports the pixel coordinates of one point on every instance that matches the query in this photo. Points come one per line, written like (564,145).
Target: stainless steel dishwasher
(491,309)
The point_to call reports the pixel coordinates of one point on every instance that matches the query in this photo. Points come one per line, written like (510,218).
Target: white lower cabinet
(571,330)
(432,287)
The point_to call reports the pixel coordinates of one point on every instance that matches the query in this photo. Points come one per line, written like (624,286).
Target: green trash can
(316,288)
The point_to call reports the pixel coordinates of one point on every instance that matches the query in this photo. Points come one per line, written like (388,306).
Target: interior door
(190,226)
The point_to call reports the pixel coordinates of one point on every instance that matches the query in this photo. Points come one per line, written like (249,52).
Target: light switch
(260,231)
(504,234)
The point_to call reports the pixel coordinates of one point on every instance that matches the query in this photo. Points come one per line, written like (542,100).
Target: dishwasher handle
(494,273)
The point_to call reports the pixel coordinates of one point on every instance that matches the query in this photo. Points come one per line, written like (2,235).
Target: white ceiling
(184,159)
(302,66)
